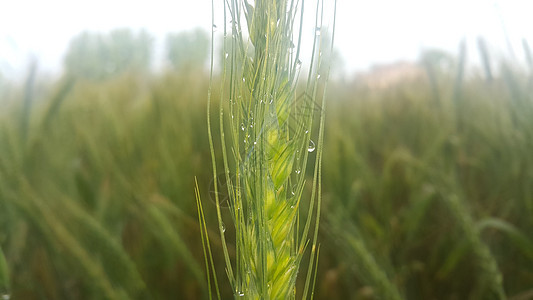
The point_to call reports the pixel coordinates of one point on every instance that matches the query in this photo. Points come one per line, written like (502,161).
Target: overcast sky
(369,31)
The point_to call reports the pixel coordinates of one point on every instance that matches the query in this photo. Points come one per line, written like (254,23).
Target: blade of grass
(4,274)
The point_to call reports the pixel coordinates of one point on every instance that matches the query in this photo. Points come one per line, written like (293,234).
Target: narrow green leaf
(4,274)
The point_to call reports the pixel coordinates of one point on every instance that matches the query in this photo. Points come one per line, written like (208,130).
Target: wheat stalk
(269,141)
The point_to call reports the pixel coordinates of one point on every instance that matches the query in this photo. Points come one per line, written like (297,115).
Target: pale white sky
(368,31)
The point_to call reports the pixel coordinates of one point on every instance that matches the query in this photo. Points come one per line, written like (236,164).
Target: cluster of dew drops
(311,147)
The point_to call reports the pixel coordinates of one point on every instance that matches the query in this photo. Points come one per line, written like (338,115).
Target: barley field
(427,189)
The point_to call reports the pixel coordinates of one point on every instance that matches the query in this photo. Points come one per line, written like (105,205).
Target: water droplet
(318,76)
(292,268)
(298,171)
(243,79)
(271,100)
(223,227)
(317,31)
(255,143)
(307,131)
(241,294)
(227,55)
(242,126)
(311,146)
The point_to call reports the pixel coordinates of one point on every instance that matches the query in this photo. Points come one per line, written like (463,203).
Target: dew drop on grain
(311,146)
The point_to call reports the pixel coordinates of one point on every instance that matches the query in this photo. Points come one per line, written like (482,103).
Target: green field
(427,188)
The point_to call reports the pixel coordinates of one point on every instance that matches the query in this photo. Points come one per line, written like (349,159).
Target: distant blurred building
(389,75)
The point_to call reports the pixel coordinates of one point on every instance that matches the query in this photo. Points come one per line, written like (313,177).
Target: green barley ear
(4,275)
(267,129)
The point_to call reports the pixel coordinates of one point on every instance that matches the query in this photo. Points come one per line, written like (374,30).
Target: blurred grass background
(428,182)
